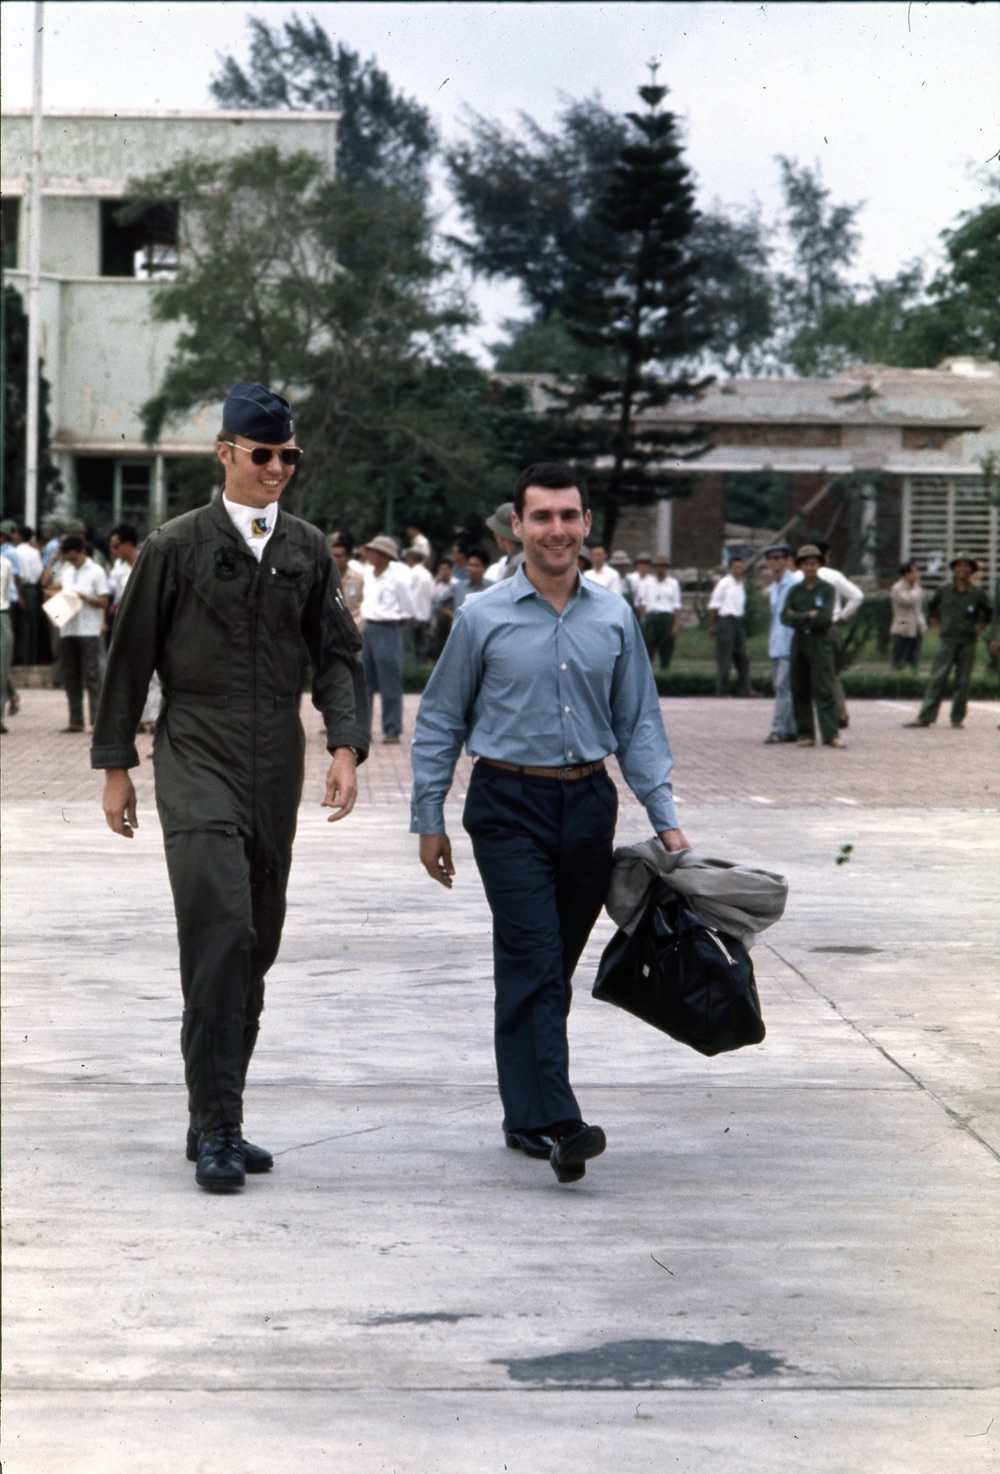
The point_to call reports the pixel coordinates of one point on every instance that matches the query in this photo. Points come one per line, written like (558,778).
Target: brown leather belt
(565,775)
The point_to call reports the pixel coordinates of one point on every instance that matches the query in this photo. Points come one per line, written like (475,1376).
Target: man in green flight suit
(809,610)
(959,611)
(218,604)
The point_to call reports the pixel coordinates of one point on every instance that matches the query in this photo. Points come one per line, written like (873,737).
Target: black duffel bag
(681,976)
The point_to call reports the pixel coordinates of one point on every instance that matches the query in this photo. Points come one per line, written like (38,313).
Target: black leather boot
(221,1162)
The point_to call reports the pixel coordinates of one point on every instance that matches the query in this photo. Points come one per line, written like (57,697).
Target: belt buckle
(563,772)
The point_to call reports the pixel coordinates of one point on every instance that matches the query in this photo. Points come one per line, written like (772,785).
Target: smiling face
(250,485)
(552,529)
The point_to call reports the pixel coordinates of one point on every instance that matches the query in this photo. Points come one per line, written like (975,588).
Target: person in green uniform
(959,611)
(808,609)
(218,604)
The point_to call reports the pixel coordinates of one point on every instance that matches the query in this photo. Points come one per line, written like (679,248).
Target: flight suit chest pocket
(285,592)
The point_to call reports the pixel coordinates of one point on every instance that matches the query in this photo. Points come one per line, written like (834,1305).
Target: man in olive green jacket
(218,604)
(808,609)
(959,611)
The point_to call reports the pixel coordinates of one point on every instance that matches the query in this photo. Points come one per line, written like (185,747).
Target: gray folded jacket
(735,899)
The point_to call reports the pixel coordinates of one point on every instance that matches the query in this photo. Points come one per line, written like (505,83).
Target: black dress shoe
(221,1164)
(255,1158)
(532,1143)
(576,1145)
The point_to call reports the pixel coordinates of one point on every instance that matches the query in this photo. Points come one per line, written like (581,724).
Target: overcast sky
(897,102)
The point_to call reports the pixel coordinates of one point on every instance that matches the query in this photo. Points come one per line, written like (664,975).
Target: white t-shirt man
(659,595)
(88,581)
(729,597)
(421,592)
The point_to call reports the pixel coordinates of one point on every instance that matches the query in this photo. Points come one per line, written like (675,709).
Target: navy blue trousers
(543,848)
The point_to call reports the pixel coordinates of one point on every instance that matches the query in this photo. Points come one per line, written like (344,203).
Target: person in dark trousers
(808,609)
(959,611)
(218,603)
(544,676)
(727,608)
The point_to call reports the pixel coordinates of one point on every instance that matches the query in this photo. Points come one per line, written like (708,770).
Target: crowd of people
(404,599)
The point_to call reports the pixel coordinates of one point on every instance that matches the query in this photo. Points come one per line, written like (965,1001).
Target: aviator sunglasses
(261,454)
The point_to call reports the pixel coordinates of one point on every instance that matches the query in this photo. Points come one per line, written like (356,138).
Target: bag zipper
(721,945)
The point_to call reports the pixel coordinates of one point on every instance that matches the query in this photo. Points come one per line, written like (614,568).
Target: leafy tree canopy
(332,296)
(530,198)
(383,140)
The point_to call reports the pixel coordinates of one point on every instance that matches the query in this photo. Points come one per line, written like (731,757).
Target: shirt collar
(524,588)
(244,518)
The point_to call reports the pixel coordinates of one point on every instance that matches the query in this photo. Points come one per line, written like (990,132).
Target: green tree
(530,199)
(824,243)
(913,325)
(383,139)
(331,294)
(634,308)
(15,415)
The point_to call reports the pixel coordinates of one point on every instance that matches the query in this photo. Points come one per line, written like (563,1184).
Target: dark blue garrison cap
(256,413)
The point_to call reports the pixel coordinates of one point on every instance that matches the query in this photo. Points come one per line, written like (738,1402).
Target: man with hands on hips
(543,677)
(218,604)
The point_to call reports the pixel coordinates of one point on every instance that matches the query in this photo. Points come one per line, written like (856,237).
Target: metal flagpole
(34,279)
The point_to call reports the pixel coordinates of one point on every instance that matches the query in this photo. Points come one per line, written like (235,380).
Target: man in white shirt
(641,569)
(727,609)
(660,611)
(418,541)
(28,616)
(386,605)
(422,598)
(123,549)
(848,599)
(601,571)
(80,637)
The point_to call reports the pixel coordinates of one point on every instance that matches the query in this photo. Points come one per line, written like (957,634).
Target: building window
(11,215)
(111,489)
(145,246)
(132,494)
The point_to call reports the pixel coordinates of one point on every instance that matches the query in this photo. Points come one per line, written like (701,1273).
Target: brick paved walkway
(717,748)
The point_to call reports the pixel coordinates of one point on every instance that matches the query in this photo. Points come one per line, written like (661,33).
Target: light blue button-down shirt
(523,684)
(779,640)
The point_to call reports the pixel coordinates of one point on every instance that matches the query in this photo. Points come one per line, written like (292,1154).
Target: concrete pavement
(787,1259)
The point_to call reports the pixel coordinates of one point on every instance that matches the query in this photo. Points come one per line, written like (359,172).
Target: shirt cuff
(114,757)
(427,817)
(662,814)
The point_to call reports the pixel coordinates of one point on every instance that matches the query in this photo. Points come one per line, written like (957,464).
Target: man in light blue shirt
(780,565)
(543,677)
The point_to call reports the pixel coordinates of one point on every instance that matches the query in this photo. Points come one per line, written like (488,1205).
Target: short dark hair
(26,532)
(480,553)
(73,543)
(125,533)
(343,538)
(910,567)
(553,476)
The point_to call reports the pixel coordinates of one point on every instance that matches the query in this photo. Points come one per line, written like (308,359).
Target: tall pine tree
(634,307)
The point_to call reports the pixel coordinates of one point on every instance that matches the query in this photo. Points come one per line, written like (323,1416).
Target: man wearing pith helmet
(958,612)
(218,604)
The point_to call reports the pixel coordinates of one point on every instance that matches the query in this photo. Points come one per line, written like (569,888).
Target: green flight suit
(225,634)
(812,667)
(960,616)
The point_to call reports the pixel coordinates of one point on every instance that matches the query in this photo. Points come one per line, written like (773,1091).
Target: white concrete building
(103,353)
